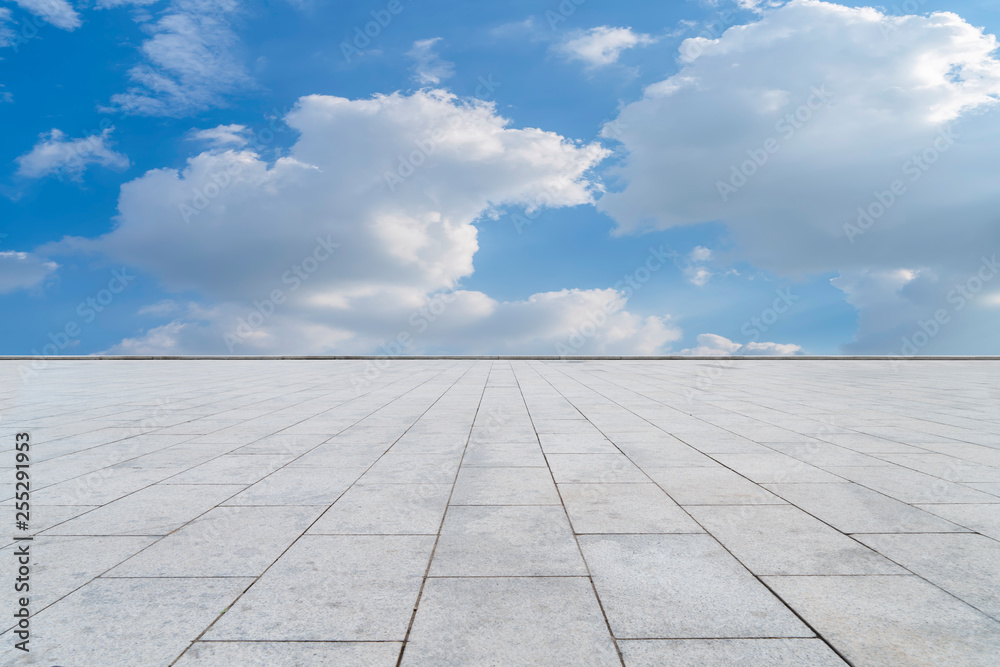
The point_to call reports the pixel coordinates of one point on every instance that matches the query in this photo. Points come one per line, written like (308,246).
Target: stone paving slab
(510,621)
(514,512)
(729,653)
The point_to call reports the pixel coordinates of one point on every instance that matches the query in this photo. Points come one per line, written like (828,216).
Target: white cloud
(845,99)
(697,275)
(429,67)
(109,4)
(601,46)
(192,61)
(404,243)
(160,308)
(23,270)
(758,6)
(528,28)
(57,12)
(713,345)
(222,135)
(6,37)
(693,268)
(160,340)
(700,254)
(69,158)
(467,322)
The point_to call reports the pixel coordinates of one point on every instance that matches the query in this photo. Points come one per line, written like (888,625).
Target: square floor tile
(508,541)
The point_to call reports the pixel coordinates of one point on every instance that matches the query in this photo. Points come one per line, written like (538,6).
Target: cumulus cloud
(815,123)
(713,345)
(363,249)
(57,12)
(552,323)
(23,270)
(600,46)
(429,67)
(192,61)
(55,154)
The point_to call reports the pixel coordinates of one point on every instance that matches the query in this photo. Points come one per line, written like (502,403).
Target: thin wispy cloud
(191,62)
(23,270)
(429,68)
(59,13)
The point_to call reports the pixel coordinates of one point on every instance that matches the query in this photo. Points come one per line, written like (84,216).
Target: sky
(565,177)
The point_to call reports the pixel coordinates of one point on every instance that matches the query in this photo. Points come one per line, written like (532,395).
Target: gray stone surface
(711,486)
(333,588)
(155,510)
(61,564)
(983,519)
(855,509)
(298,512)
(504,454)
(594,469)
(124,622)
(504,486)
(681,586)
(231,469)
(44,516)
(299,486)
(292,654)
(624,508)
(782,539)
(386,509)
(774,468)
(509,621)
(964,564)
(506,541)
(576,443)
(910,486)
(892,620)
(223,542)
(414,469)
(728,653)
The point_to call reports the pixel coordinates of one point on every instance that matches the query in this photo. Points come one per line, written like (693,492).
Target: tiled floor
(495,512)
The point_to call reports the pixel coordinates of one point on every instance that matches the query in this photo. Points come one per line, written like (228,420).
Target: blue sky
(185,176)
